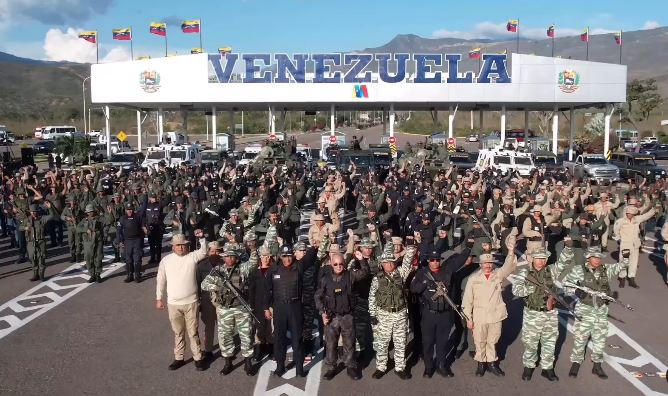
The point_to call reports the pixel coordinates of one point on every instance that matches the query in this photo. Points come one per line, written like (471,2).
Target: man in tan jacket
(483,305)
(627,231)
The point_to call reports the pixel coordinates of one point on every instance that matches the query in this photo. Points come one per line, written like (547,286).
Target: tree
(596,125)
(76,148)
(642,97)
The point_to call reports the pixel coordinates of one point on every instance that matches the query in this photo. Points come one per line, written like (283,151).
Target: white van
(250,152)
(154,155)
(184,155)
(505,161)
(52,132)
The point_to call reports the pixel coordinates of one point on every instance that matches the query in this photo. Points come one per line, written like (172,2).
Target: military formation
(418,267)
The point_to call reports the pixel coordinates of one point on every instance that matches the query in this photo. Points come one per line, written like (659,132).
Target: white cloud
(67,46)
(52,12)
(497,31)
(651,25)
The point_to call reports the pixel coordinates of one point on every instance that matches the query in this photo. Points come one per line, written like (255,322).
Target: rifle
(442,291)
(598,294)
(230,286)
(550,292)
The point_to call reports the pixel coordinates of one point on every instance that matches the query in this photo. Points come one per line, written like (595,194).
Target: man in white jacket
(177,279)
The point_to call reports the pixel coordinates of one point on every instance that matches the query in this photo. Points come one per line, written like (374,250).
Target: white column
(482,121)
(471,120)
(451,122)
(272,119)
(570,140)
(555,129)
(185,125)
(107,129)
(384,123)
(214,127)
(392,120)
(503,124)
(231,115)
(161,116)
(606,138)
(332,121)
(526,125)
(138,130)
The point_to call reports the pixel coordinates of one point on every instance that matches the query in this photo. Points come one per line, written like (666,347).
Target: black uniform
(437,314)
(154,226)
(336,298)
(131,235)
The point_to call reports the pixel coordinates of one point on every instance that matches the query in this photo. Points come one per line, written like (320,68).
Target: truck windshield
(181,154)
(522,160)
(595,161)
(363,161)
(156,155)
(503,159)
(210,156)
(545,160)
(123,158)
(644,162)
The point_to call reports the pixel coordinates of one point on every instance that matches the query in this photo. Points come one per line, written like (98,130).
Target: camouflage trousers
(391,326)
(308,311)
(593,323)
(93,255)
(539,327)
(229,320)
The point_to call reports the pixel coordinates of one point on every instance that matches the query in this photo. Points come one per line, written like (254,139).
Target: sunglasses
(337,264)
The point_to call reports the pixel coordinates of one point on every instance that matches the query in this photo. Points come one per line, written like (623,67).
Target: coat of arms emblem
(149,81)
(569,81)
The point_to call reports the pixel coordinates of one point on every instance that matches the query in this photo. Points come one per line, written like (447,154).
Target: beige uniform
(628,232)
(604,209)
(483,303)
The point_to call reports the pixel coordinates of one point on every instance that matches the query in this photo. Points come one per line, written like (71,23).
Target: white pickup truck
(593,166)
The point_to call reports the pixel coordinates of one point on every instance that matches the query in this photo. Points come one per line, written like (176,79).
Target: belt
(289,301)
(535,239)
(542,309)
(437,312)
(393,310)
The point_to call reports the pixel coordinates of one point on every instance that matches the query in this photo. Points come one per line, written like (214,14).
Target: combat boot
(329,374)
(91,279)
(35,277)
(480,371)
(280,370)
(598,371)
(378,374)
(227,366)
(129,278)
(495,369)
(138,278)
(445,371)
(41,275)
(257,352)
(353,373)
(248,367)
(98,278)
(633,284)
(622,282)
(527,373)
(73,258)
(575,367)
(403,374)
(550,375)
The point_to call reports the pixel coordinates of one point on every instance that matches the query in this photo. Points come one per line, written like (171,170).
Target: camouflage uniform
(91,230)
(592,312)
(391,311)
(231,315)
(539,324)
(34,230)
(71,216)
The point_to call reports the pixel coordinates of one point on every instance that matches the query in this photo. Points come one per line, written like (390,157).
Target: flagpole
(97,48)
(200,35)
(587,42)
(621,44)
(518,36)
(132,38)
(554,33)
(165,40)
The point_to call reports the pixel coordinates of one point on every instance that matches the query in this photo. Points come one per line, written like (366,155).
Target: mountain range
(51,91)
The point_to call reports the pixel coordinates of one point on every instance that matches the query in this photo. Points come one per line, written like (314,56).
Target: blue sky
(47,29)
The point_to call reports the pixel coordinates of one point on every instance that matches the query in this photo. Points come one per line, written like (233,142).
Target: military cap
(632,210)
(425,216)
(250,236)
(234,212)
(71,198)
(99,189)
(152,195)
(466,195)
(129,205)
(594,252)
(434,255)
(89,208)
(299,246)
(322,200)
(273,210)
(486,258)
(540,253)
(244,199)
(34,208)
(264,251)
(419,205)
(214,245)
(230,251)
(136,186)
(478,205)
(335,248)
(116,195)
(318,217)
(367,243)
(407,188)
(537,208)
(286,250)
(180,200)
(388,257)
(179,239)
(583,216)
(20,191)
(560,183)
(397,241)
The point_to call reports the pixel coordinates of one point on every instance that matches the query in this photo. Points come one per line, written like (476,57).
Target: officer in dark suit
(284,296)
(130,235)
(153,227)
(436,313)
(335,300)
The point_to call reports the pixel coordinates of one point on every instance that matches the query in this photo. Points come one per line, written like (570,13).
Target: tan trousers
(208,316)
(633,260)
(183,318)
(485,337)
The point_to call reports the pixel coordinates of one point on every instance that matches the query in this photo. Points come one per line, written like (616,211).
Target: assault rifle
(230,286)
(550,292)
(598,294)
(442,291)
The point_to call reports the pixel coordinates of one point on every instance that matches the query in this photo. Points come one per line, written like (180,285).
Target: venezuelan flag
(159,28)
(618,38)
(550,31)
(122,34)
(190,26)
(504,52)
(585,35)
(512,25)
(224,50)
(196,51)
(475,53)
(91,37)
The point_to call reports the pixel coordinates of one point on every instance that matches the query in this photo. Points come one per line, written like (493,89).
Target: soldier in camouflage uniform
(33,226)
(232,317)
(592,312)
(92,232)
(389,314)
(109,223)
(540,321)
(71,216)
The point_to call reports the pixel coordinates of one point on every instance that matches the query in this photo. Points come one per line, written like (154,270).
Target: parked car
(658,151)
(473,138)
(649,139)
(127,160)
(44,147)
(593,166)
(637,164)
